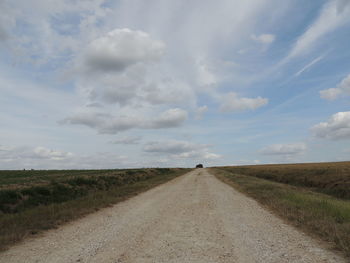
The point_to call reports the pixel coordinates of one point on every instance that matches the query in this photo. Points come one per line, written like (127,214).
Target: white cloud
(336,128)
(172,147)
(180,150)
(205,75)
(124,59)
(135,86)
(49,33)
(343,88)
(264,38)
(168,119)
(334,14)
(131,64)
(126,140)
(200,111)
(45,153)
(119,49)
(44,158)
(231,102)
(183,56)
(284,149)
(109,124)
(122,72)
(330,94)
(13,154)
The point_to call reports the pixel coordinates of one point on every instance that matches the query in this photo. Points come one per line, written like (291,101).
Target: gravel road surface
(193,218)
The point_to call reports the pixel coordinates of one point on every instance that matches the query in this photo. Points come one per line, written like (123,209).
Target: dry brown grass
(85,194)
(330,178)
(321,215)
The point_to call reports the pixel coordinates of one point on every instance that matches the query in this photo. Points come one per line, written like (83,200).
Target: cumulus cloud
(233,103)
(133,82)
(127,140)
(334,14)
(180,149)
(114,71)
(140,73)
(109,124)
(342,89)
(284,149)
(336,128)
(264,38)
(129,68)
(119,49)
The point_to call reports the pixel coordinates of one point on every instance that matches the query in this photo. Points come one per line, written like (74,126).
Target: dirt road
(194,218)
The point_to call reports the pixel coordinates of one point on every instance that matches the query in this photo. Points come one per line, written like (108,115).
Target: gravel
(193,218)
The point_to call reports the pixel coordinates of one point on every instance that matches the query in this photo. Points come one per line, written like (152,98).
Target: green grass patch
(319,214)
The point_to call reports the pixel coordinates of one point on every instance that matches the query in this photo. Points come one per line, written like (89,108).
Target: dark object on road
(199,165)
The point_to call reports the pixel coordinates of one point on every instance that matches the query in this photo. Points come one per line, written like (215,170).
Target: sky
(160,83)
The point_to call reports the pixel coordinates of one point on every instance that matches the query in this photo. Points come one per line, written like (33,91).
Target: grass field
(301,198)
(328,178)
(33,201)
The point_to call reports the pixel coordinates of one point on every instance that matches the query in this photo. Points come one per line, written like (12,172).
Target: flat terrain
(34,201)
(328,178)
(193,218)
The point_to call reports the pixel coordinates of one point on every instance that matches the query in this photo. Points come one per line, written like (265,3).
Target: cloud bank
(108,124)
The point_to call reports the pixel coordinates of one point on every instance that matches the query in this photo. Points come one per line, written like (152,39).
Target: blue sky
(114,84)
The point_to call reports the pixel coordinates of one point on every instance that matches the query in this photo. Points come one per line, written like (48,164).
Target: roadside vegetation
(33,201)
(309,208)
(329,178)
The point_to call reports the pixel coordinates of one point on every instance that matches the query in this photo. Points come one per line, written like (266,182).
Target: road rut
(193,218)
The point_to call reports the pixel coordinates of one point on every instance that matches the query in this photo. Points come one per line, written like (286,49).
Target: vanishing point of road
(193,218)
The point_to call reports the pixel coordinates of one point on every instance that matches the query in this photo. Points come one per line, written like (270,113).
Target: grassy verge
(319,214)
(28,211)
(329,178)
